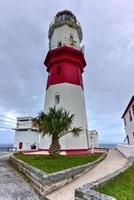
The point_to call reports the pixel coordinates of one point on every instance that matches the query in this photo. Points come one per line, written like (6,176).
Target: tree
(56,123)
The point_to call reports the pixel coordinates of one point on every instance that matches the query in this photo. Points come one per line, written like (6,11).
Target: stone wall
(45,183)
(88,191)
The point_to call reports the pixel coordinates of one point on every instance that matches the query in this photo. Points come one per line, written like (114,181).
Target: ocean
(6,147)
(108,145)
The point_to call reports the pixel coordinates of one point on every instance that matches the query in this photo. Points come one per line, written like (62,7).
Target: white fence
(127,150)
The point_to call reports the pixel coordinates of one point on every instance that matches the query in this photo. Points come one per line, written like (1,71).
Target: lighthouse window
(59,44)
(68,17)
(58,69)
(57,99)
(71,37)
(61,17)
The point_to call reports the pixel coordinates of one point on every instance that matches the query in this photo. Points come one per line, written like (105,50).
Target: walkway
(13,186)
(111,163)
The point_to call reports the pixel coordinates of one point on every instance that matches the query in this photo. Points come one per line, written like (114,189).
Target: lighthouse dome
(65,30)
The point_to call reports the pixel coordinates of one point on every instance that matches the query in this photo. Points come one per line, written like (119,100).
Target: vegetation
(122,186)
(56,123)
(50,164)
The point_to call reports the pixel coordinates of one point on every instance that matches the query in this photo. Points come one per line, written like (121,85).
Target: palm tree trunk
(55,146)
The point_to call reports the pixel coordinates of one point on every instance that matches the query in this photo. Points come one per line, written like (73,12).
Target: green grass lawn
(53,164)
(122,186)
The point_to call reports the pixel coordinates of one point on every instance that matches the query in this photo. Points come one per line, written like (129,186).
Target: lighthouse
(65,64)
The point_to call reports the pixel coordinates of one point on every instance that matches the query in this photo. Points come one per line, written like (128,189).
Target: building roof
(66,12)
(130,102)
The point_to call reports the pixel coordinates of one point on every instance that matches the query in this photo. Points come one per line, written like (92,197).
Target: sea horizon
(5,146)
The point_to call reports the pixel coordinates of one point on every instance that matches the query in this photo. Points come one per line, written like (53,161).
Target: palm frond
(56,122)
(76,131)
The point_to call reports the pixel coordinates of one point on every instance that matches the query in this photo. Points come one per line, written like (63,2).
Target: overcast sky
(108,29)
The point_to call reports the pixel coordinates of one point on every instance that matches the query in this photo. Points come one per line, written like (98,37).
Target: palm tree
(56,123)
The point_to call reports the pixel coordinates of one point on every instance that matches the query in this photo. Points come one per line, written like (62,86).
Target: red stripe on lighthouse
(65,65)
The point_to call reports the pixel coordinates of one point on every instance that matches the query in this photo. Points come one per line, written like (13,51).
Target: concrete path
(111,163)
(13,186)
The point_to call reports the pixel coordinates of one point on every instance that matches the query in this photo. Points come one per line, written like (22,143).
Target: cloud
(108,31)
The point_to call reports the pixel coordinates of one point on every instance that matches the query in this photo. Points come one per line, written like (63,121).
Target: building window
(23,129)
(130,116)
(24,120)
(125,121)
(57,99)
(133,108)
(58,70)
(128,141)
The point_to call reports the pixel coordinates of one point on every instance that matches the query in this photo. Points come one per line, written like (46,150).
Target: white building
(128,116)
(93,139)
(26,134)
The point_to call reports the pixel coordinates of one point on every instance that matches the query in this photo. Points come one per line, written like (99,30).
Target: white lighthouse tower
(65,64)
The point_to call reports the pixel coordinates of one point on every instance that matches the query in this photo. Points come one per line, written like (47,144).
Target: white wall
(72,99)
(127,150)
(62,34)
(24,124)
(129,128)
(44,142)
(27,137)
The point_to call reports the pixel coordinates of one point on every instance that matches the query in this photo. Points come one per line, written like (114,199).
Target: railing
(54,21)
(79,48)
